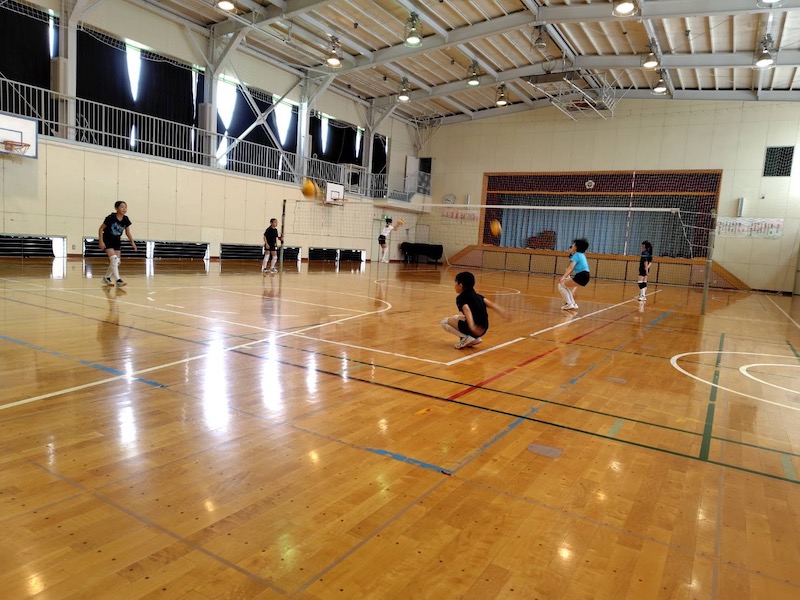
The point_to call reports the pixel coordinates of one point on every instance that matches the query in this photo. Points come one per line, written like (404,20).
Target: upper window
(778,162)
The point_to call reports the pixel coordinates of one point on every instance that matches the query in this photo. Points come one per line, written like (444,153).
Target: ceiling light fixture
(769,3)
(412,35)
(765,55)
(540,43)
(650,61)
(474,78)
(334,59)
(624,8)
(403,95)
(501,99)
(660,88)
(225,5)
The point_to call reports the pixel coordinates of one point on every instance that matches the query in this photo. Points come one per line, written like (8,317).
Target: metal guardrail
(111,127)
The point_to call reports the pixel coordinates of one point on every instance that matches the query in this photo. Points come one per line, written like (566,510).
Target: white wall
(71,187)
(646,135)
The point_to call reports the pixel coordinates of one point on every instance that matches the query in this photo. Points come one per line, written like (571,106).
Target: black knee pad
(642,285)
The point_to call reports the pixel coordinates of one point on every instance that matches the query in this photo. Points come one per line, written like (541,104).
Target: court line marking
(278,333)
(346,345)
(597,312)
(674,362)
(744,370)
(472,355)
(525,417)
(784,313)
(177,362)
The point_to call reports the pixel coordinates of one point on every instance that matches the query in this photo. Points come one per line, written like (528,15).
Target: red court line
(483,383)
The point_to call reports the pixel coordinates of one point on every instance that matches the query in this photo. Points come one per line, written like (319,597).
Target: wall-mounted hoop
(15,147)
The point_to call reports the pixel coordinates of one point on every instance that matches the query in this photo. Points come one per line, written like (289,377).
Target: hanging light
(765,55)
(225,5)
(334,59)
(403,95)
(650,61)
(501,99)
(769,3)
(661,87)
(624,8)
(474,78)
(540,43)
(412,35)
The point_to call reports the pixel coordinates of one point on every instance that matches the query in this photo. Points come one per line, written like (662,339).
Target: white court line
(133,374)
(745,370)
(308,337)
(535,333)
(674,362)
(476,354)
(597,312)
(213,289)
(784,313)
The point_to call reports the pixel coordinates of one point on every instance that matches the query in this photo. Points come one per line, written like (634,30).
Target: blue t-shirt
(581,264)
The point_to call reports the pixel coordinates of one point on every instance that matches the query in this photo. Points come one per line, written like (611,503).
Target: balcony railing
(111,127)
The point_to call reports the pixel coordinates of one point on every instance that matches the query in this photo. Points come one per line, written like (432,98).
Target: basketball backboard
(18,136)
(334,193)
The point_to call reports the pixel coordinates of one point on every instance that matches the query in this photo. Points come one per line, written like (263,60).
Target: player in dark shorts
(271,238)
(110,238)
(645,260)
(382,240)
(577,273)
(472,322)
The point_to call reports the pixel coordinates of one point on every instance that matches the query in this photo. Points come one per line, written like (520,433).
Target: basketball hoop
(15,147)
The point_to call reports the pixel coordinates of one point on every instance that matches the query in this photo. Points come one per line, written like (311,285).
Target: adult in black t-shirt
(271,238)
(110,235)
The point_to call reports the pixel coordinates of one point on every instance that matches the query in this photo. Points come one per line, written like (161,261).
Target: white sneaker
(477,341)
(107,281)
(273,270)
(573,307)
(641,297)
(120,283)
(569,306)
(465,342)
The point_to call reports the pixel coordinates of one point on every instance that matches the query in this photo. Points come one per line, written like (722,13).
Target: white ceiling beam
(270,14)
(721,96)
(658,10)
(458,86)
(786,58)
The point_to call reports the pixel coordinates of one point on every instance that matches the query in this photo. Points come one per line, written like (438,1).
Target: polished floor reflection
(208,432)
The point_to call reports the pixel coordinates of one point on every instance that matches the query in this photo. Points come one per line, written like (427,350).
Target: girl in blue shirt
(577,273)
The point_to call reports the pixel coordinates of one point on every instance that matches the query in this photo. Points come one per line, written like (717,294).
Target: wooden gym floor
(314,434)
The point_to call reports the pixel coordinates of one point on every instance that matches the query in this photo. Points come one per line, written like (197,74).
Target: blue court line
(419,463)
(612,432)
(788,468)
(78,360)
(409,460)
(509,428)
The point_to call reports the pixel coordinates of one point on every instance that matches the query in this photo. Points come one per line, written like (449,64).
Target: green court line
(705,446)
(616,427)
(788,468)
(793,349)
